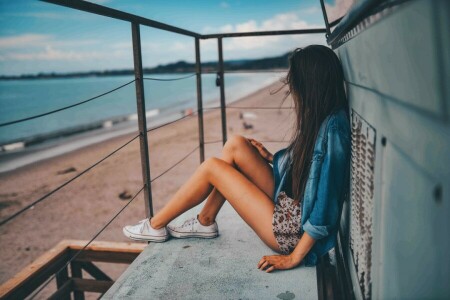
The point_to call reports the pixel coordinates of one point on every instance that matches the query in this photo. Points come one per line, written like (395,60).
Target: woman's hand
(262,150)
(277,262)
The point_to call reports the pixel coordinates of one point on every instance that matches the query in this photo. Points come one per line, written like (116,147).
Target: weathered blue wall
(398,83)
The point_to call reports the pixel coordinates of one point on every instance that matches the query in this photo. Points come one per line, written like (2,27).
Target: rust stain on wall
(361,203)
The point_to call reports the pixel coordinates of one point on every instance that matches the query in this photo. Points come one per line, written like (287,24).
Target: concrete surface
(220,268)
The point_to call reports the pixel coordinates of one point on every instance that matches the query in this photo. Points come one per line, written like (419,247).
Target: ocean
(103,118)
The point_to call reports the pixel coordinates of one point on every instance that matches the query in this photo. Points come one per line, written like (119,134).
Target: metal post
(325,18)
(142,120)
(198,70)
(222,93)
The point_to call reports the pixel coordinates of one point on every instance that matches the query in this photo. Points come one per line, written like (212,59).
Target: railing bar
(120,15)
(192,151)
(222,92)
(198,71)
(142,118)
(169,79)
(88,243)
(117,14)
(66,107)
(263,33)
(325,18)
(2,222)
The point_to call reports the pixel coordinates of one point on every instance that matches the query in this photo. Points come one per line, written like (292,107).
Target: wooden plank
(29,272)
(53,259)
(105,256)
(94,271)
(123,247)
(91,285)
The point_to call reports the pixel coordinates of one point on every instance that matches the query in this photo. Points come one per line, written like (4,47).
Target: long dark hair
(316,83)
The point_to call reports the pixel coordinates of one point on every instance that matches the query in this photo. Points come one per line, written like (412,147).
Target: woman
(299,200)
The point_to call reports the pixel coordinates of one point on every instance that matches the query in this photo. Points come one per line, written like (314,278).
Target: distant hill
(268,63)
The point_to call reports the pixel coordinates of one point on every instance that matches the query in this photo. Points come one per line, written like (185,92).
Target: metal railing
(135,22)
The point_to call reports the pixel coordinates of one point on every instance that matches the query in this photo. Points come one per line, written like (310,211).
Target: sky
(38,37)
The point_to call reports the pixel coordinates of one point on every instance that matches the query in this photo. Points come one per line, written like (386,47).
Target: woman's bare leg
(241,193)
(242,155)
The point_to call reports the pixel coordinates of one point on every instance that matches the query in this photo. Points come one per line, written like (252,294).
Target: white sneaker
(193,228)
(143,231)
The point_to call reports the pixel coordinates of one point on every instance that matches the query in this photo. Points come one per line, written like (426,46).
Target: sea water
(105,117)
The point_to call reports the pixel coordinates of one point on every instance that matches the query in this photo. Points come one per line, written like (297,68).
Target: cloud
(74,15)
(49,53)
(23,40)
(33,40)
(283,21)
(31,46)
(224,4)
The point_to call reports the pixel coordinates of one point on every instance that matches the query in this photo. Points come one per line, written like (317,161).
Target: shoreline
(86,135)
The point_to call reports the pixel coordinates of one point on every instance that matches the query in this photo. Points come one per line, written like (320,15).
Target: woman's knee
(236,141)
(212,164)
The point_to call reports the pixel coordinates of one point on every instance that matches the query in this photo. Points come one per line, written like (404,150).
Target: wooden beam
(91,285)
(105,256)
(31,272)
(124,247)
(94,271)
(30,277)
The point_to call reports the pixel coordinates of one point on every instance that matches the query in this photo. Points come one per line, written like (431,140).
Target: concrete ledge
(220,268)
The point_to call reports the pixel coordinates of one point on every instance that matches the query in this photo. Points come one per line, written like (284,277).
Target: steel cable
(18,213)
(173,121)
(192,151)
(169,79)
(66,107)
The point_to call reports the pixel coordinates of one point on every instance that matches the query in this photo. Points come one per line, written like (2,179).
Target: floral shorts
(286,222)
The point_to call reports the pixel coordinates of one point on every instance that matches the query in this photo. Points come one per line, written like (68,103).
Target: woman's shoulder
(337,122)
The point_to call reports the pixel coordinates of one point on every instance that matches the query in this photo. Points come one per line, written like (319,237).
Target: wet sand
(80,209)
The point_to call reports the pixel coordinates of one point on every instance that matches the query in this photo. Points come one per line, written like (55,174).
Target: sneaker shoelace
(142,226)
(189,222)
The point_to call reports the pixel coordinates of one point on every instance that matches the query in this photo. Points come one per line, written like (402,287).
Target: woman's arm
(284,262)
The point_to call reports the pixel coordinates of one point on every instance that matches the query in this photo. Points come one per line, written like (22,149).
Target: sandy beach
(80,209)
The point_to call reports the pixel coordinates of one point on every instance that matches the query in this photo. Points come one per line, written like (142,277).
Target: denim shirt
(327,184)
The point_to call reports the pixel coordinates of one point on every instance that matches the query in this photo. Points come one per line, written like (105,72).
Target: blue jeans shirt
(327,184)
